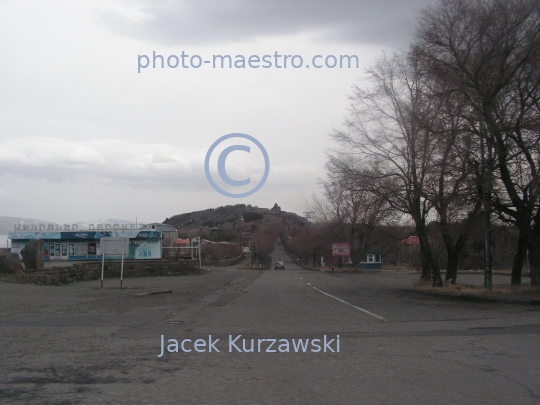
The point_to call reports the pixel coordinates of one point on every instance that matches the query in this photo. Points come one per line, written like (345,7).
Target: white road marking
(308,284)
(351,305)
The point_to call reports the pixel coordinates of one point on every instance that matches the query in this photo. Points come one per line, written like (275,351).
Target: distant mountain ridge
(7,223)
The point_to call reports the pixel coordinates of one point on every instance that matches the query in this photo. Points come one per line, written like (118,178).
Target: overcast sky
(83,135)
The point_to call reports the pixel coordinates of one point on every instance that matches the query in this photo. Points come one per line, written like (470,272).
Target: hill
(231,221)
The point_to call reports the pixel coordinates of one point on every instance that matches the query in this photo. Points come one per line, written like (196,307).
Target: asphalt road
(77,344)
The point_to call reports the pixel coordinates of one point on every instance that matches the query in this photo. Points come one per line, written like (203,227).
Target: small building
(276,209)
(168,232)
(85,244)
(408,250)
(184,249)
(373,260)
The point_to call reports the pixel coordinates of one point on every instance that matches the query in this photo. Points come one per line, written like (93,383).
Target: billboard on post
(114,246)
(341,249)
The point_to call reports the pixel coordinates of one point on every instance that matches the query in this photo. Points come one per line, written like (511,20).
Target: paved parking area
(78,344)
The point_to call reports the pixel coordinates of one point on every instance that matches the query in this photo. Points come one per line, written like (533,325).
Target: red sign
(341,249)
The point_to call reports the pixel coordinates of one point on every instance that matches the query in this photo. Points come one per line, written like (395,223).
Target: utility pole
(486,188)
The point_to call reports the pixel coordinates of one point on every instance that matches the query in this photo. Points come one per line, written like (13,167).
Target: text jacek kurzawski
(237,344)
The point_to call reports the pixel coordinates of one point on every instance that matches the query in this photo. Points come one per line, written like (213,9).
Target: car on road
(279,265)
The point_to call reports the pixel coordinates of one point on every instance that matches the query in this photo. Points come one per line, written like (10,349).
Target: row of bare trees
(447,132)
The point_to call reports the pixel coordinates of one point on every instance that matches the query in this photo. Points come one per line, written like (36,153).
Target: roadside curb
(471,298)
(494,272)
(154,293)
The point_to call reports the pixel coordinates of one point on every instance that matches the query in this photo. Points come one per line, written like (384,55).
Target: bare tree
(350,210)
(489,52)
(393,146)
(452,186)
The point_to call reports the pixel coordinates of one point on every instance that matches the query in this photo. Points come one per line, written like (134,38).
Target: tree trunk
(452,258)
(435,271)
(430,269)
(452,267)
(426,269)
(426,255)
(519,257)
(453,253)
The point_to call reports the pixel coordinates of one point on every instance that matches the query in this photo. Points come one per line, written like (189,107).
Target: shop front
(85,245)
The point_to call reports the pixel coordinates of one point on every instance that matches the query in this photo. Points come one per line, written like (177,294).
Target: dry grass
(524,292)
(406,267)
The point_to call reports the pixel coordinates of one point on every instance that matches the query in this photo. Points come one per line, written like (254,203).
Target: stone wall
(92,271)
(223,263)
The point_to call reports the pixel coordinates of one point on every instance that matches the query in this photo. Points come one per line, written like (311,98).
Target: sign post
(340,249)
(113,247)
(122,268)
(102,248)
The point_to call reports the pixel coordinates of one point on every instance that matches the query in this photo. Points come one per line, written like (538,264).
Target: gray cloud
(148,166)
(120,163)
(201,22)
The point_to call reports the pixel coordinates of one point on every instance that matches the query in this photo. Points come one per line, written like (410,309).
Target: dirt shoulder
(526,295)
